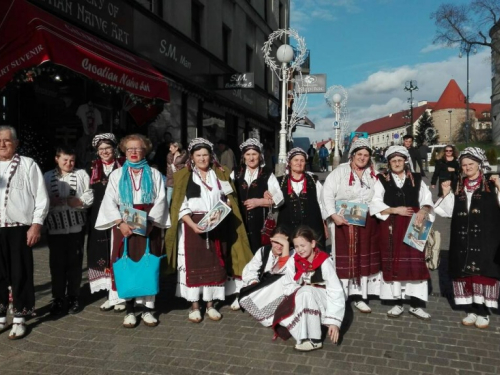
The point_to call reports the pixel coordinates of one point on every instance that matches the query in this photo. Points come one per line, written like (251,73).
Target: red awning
(30,36)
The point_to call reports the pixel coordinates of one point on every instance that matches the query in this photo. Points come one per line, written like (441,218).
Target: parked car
(435,149)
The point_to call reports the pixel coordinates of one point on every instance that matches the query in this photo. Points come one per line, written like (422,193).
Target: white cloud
(382,93)
(436,47)
(305,12)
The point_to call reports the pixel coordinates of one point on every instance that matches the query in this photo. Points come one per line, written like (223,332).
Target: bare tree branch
(467,25)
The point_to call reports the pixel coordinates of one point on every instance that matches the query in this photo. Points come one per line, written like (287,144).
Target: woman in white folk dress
(203,261)
(355,248)
(135,185)
(262,290)
(474,263)
(398,195)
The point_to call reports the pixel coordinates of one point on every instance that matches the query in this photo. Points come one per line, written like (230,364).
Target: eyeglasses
(449,150)
(135,149)
(104,148)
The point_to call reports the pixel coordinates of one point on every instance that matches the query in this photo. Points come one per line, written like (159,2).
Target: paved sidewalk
(94,342)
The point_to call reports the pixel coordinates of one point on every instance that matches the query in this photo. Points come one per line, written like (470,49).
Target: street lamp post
(467,48)
(284,56)
(411,86)
(336,155)
(290,62)
(336,99)
(449,111)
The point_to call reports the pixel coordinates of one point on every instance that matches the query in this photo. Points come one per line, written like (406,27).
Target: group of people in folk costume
(289,283)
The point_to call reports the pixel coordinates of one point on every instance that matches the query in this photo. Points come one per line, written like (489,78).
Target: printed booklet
(136,219)
(214,217)
(416,235)
(354,213)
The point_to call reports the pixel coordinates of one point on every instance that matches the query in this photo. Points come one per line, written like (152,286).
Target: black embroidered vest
(254,219)
(475,235)
(302,209)
(405,196)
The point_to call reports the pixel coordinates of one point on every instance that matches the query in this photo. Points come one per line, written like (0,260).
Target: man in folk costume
(202,260)
(24,204)
(398,194)
(302,197)
(475,239)
(354,248)
(70,196)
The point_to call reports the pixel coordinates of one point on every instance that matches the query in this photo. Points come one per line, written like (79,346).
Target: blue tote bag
(137,279)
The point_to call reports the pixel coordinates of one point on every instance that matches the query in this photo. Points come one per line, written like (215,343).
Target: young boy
(70,196)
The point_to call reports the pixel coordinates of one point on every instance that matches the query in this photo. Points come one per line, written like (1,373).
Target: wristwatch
(120,223)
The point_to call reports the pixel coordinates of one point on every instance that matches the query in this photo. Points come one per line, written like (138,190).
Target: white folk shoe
(235,306)
(362,307)
(213,314)
(195,316)
(119,308)
(106,306)
(482,322)
(420,313)
(307,346)
(3,323)
(17,332)
(149,319)
(395,312)
(469,320)
(129,321)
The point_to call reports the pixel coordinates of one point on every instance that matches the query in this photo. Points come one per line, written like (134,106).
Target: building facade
(204,57)
(449,113)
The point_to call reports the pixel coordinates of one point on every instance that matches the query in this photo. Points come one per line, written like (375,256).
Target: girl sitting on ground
(262,290)
(315,295)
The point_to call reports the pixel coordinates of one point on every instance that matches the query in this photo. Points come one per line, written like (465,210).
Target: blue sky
(371,47)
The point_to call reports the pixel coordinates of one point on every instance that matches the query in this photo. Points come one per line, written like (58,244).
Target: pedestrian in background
(176,160)
(323,157)
(70,196)
(424,150)
(227,157)
(414,153)
(23,210)
(447,169)
(311,151)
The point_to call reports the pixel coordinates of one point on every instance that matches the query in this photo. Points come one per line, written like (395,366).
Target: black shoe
(73,305)
(57,307)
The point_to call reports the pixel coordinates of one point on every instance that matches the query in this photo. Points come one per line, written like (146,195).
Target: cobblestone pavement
(94,342)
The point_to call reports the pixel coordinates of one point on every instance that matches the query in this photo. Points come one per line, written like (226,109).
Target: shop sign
(236,81)
(311,83)
(112,19)
(168,50)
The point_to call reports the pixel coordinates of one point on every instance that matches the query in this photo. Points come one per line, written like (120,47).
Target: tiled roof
(394,120)
(319,144)
(452,97)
